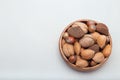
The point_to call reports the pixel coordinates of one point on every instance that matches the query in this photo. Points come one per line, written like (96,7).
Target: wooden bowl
(73,65)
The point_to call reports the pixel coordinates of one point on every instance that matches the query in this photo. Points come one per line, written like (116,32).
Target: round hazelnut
(87,54)
(92,28)
(90,22)
(72,59)
(99,57)
(70,40)
(65,35)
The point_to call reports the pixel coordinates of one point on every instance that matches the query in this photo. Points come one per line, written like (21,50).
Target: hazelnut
(92,28)
(72,59)
(90,22)
(99,57)
(70,40)
(81,62)
(65,35)
(87,54)
(86,42)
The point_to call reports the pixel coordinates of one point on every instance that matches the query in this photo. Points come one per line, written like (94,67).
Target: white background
(29,34)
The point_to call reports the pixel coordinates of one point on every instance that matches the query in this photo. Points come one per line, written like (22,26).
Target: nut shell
(86,42)
(102,28)
(99,57)
(72,59)
(68,49)
(81,62)
(101,40)
(76,32)
(107,50)
(83,26)
(77,48)
(87,54)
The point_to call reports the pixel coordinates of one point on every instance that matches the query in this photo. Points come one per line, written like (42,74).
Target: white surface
(29,33)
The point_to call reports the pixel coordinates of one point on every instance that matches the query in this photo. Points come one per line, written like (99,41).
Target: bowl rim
(72,65)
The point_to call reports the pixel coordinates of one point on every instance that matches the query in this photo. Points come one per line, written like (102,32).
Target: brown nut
(95,35)
(72,59)
(107,50)
(77,48)
(65,35)
(102,28)
(83,26)
(70,40)
(92,28)
(101,40)
(81,62)
(99,57)
(90,22)
(68,49)
(95,48)
(86,42)
(76,32)
(87,54)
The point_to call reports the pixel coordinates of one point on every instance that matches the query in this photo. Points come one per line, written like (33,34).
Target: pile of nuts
(86,43)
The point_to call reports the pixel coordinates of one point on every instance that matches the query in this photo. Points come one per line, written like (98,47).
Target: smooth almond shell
(107,50)
(77,48)
(87,54)
(101,40)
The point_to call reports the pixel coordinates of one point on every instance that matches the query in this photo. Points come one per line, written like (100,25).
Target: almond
(95,35)
(99,57)
(107,50)
(68,49)
(87,54)
(77,48)
(81,62)
(101,40)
